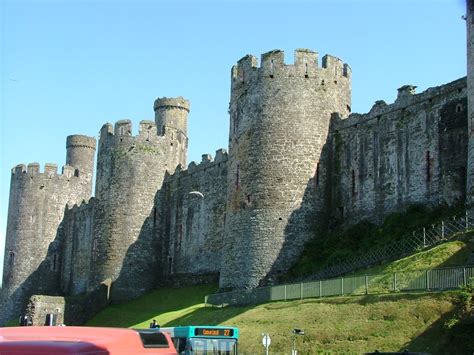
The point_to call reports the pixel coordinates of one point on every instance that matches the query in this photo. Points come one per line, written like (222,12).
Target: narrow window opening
(280,219)
(335,81)
(348,108)
(317,175)
(458,108)
(353,184)
(11,260)
(76,172)
(237,177)
(147,136)
(271,68)
(154,216)
(55,260)
(322,82)
(428,166)
(180,236)
(306,70)
(341,211)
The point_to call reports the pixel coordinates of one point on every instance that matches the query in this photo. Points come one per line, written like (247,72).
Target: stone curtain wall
(191,214)
(412,151)
(78,249)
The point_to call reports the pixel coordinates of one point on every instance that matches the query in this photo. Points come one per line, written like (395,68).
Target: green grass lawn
(340,324)
(428,322)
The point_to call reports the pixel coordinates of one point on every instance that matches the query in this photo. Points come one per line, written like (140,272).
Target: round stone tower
(130,171)
(171,117)
(80,154)
(279,121)
(36,208)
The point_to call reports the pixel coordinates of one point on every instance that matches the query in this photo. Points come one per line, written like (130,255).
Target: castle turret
(33,246)
(80,154)
(279,120)
(130,170)
(171,117)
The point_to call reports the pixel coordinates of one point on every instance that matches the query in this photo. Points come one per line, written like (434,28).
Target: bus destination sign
(214,332)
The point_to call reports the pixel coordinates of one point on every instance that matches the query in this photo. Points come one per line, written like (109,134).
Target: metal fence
(422,280)
(419,240)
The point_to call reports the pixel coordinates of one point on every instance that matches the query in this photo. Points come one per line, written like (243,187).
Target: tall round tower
(130,171)
(279,120)
(80,154)
(33,243)
(171,117)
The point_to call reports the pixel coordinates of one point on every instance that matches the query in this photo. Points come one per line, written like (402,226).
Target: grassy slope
(419,322)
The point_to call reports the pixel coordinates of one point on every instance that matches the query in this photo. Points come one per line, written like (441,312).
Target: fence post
(285,292)
(427,280)
(424,237)
(301,291)
(342,286)
(320,289)
(366,285)
(394,281)
(442,229)
(464,278)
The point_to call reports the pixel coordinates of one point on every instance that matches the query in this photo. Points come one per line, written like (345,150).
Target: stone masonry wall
(279,121)
(77,252)
(412,151)
(192,217)
(33,243)
(130,171)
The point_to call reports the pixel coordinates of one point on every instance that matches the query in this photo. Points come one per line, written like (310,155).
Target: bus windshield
(209,346)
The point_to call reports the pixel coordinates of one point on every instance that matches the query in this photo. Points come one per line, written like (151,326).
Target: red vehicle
(83,340)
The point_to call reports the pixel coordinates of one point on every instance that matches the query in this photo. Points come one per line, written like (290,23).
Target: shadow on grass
(463,255)
(151,305)
(210,316)
(441,338)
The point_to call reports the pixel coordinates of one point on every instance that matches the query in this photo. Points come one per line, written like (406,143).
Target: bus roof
(81,340)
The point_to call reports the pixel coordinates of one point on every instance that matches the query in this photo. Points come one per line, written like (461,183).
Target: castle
(298,162)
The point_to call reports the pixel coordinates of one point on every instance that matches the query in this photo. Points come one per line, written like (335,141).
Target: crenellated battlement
(78,140)
(175,103)
(206,163)
(33,170)
(406,97)
(85,204)
(305,65)
(124,128)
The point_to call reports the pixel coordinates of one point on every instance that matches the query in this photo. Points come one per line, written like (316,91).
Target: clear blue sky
(67,67)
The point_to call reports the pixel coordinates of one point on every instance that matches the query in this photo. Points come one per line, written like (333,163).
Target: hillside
(431,322)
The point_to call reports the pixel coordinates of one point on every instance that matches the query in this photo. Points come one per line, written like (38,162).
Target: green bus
(204,340)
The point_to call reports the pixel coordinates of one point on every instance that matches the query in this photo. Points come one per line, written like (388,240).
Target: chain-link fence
(407,281)
(419,240)
(437,279)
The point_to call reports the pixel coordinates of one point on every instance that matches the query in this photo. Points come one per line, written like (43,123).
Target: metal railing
(420,280)
(326,285)
(419,240)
